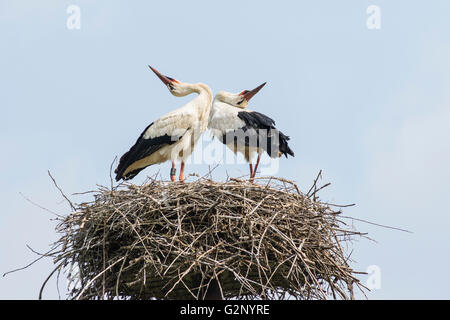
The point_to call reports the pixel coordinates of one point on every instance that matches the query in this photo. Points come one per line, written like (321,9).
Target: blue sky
(369,107)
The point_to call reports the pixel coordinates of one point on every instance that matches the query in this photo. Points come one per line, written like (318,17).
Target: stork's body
(173,136)
(244,131)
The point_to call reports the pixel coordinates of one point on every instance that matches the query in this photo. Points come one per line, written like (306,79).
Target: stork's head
(239,100)
(175,87)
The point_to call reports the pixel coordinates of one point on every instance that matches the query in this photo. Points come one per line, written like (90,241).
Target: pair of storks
(174,135)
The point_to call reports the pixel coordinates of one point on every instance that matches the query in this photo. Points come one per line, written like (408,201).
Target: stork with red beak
(245,131)
(171,137)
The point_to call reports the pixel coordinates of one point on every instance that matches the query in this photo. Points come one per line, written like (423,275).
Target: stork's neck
(225,100)
(204,99)
(202,89)
(216,103)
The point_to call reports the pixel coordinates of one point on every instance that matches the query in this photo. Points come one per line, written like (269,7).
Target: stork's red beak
(164,79)
(249,94)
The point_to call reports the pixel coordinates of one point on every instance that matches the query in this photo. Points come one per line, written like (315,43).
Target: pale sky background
(371,108)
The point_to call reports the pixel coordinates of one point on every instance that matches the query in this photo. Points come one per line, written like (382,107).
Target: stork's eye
(240,101)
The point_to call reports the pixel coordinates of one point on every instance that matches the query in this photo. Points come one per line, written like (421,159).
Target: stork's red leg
(182,172)
(256,165)
(251,172)
(173,173)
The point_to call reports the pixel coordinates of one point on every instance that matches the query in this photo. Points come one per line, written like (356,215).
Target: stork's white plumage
(245,131)
(171,137)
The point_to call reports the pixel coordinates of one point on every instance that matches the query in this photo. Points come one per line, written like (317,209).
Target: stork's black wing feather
(264,130)
(141,149)
(256,120)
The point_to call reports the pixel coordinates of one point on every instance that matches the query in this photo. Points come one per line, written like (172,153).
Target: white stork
(245,131)
(171,137)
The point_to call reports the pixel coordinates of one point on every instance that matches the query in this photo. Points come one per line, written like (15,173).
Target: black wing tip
(284,146)
(289,152)
(285,150)
(126,177)
(118,175)
(119,170)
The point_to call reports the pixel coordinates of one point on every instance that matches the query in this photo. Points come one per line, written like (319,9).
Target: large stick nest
(166,240)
